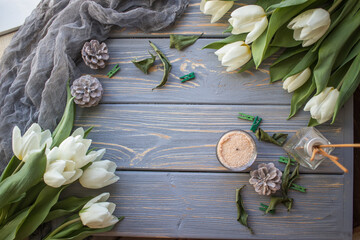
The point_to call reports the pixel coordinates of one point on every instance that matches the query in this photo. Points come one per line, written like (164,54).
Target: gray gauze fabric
(41,57)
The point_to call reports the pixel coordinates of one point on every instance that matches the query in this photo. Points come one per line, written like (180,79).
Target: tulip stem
(61,227)
(340,84)
(18,167)
(334,6)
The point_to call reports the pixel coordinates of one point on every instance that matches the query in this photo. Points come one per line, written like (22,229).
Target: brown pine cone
(95,54)
(87,91)
(266,179)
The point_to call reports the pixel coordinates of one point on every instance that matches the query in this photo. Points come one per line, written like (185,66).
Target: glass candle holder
(236,150)
(300,147)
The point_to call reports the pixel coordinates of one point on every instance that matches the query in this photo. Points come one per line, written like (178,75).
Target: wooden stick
(355,145)
(315,151)
(333,159)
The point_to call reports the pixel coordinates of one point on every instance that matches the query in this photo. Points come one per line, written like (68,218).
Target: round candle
(236,150)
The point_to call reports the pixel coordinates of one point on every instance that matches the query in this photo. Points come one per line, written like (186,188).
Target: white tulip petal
(239,28)
(316,100)
(221,11)
(318,18)
(202,5)
(75,176)
(216,8)
(100,198)
(16,142)
(257,31)
(327,107)
(248,13)
(78,132)
(298,80)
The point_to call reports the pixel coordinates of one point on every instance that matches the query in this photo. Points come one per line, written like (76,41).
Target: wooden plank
(191,22)
(183,137)
(211,85)
(202,205)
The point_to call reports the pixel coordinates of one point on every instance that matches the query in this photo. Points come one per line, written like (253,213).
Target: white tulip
(295,81)
(310,25)
(215,8)
(99,174)
(234,55)
(65,162)
(322,106)
(33,140)
(97,213)
(251,19)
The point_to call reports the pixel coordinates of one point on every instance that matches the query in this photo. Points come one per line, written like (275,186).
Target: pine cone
(87,91)
(95,54)
(266,179)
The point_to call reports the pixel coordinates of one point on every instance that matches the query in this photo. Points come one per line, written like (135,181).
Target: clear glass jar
(236,150)
(300,147)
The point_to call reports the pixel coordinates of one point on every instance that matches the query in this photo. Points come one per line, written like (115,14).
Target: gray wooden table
(163,141)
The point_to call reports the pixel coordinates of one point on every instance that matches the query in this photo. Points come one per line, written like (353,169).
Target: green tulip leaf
(271,51)
(180,42)
(242,214)
(308,59)
(10,168)
(350,82)
(66,207)
(284,38)
(219,44)
(266,3)
(346,49)
(228,29)
(285,63)
(328,53)
(144,64)
(313,123)
(166,63)
(66,123)
(287,3)
(87,131)
(39,210)
(300,96)
(279,17)
(29,175)
(8,231)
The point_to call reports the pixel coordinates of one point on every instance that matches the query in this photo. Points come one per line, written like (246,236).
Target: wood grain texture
(191,22)
(202,205)
(183,137)
(212,83)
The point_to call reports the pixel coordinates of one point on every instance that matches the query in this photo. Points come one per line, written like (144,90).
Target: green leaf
(285,63)
(287,3)
(166,63)
(266,3)
(66,207)
(219,44)
(278,18)
(10,168)
(277,138)
(242,215)
(346,49)
(39,210)
(313,123)
(309,58)
(84,232)
(145,64)
(284,38)
(350,82)
(271,51)
(8,231)
(66,123)
(274,201)
(29,175)
(300,96)
(180,42)
(86,133)
(328,52)
(228,29)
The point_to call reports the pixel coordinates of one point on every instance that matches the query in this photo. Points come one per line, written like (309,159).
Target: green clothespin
(264,207)
(113,71)
(246,117)
(187,77)
(256,124)
(286,159)
(298,188)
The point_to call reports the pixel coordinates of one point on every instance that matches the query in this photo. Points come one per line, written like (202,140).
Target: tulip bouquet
(319,43)
(43,165)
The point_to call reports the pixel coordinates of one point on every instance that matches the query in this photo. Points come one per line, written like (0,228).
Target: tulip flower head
(65,162)
(99,174)
(234,55)
(295,81)
(34,139)
(310,26)
(97,213)
(251,19)
(215,8)
(322,106)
